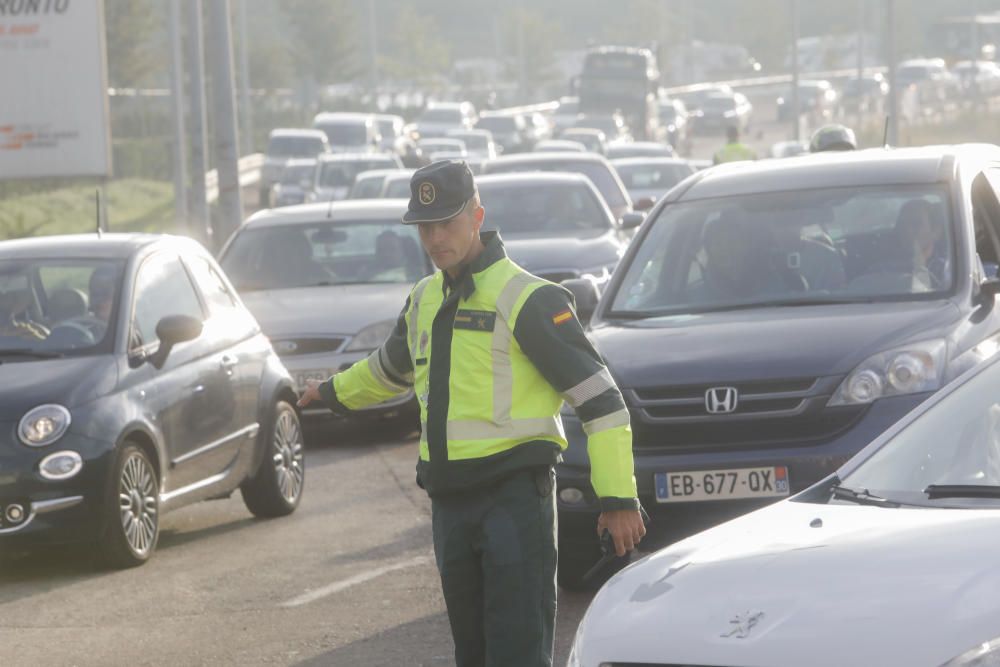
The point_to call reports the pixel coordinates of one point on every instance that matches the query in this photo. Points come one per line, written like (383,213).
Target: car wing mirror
(989,288)
(644,204)
(172,330)
(586,294)
(632,219)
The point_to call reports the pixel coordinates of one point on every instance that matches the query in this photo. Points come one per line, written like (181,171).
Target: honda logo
(721,400)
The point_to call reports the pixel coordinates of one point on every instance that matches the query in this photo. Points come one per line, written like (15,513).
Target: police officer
(734,150)
(834,137)
(492,352)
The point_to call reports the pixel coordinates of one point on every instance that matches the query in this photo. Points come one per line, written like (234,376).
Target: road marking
(344,584)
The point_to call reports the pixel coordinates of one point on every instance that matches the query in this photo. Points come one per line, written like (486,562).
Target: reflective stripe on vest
(418,292)
(501,427)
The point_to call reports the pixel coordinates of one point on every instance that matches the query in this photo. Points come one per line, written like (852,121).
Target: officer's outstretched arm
(552,337)
(385,373)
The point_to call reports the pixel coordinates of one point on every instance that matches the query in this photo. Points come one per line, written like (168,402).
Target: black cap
(439,191)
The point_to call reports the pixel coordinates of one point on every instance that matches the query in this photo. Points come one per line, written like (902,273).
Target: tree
(531,39)
(419,53)
(132,33)
(323,39)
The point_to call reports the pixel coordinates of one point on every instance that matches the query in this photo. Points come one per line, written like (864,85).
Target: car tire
(131,510)
(276,487)
(579,551)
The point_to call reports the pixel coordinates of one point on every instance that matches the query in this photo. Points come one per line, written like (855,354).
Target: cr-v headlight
(371,336)
(986,654)
(906,370)
(43,425)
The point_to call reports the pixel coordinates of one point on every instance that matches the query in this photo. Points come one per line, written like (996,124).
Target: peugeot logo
(721,400)
(742,624)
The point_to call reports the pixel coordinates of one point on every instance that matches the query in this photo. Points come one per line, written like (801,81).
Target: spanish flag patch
(564,316)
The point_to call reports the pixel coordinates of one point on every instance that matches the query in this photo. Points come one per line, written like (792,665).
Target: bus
(624,79)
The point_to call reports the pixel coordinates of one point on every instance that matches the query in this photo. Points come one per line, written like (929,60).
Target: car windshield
(497,123)
(474,142)
(398,188)
(294,146)
(599,174)
(367,187)
(543,209)
(432,145)
(341,173)
(296,174)
(720,104)
(350,133)
(324,253)
(866,243)
(387,128)
(51,307)
(956,442)
(453,116)
(653,176)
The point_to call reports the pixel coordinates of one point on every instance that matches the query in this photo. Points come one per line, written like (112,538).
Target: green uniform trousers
(496,553)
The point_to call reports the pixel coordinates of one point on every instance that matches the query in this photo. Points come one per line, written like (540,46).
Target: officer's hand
(310,394)
(625,526)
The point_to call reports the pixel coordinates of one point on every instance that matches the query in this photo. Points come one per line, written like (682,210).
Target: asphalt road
(349,579)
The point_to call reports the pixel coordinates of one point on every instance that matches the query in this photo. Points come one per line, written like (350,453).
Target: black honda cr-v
(770,319)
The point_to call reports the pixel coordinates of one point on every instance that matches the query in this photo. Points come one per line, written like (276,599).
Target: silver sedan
(327,283)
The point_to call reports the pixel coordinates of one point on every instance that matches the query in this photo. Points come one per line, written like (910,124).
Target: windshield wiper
(861,497)
(695,310)
(30,352)
(962,491)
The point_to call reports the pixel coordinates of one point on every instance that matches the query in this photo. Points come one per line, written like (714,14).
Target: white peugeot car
(894,560)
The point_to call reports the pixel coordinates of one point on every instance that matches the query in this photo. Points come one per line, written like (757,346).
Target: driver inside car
(918,237)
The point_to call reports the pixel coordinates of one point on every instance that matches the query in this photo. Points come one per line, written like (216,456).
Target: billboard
(53,89)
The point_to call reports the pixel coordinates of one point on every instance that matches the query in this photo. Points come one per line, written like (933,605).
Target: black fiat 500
(133,381)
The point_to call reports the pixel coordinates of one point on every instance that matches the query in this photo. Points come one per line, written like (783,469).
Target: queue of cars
(781,333)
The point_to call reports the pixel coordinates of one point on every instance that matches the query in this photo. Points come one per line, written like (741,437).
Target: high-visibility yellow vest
(497,400)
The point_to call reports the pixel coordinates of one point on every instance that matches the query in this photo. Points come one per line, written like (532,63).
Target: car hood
(70,381)
(337,309)
(537,253)
(826,585)
(765,343)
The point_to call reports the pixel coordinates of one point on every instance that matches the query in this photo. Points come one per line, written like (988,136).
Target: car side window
(217,294)
(162,288)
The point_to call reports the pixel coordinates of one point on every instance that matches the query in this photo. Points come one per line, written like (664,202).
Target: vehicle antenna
(885,132)
(99,230)
(329,209)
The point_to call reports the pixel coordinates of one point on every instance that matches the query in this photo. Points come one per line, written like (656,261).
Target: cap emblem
(427,193)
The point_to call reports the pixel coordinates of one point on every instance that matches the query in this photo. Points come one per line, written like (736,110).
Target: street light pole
(200,216)
(373,52)
(246,111)
(225,140)
(177,112)
(892,136)
(796,119)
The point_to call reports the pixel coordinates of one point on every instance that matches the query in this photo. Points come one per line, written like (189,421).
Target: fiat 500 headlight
(910,369)
(986,654)
(43,425)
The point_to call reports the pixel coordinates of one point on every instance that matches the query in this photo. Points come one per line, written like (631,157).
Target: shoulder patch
(562,317)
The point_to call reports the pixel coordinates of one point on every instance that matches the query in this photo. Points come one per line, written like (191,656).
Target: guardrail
(249,167)
(773,80)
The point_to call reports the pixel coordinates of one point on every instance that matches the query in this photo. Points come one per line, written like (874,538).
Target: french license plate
(675,487)
(302,378)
